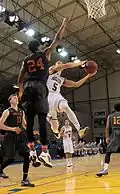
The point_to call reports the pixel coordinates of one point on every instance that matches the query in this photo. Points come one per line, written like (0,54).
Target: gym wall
(95,97)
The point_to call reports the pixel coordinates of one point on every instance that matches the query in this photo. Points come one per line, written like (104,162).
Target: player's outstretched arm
(71,65)
(62,66)
(20,79)
(57,39)
(5,127)
(72,84)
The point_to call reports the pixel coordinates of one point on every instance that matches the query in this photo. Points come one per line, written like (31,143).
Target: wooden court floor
(80,179)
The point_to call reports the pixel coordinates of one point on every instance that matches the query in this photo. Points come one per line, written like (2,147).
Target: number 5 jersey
(54,83)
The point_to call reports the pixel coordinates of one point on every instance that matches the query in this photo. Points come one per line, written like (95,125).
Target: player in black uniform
(35,91)
(112,137)
(13,121)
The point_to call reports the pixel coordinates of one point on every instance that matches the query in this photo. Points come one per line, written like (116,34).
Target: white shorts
(54,100)
(68,146)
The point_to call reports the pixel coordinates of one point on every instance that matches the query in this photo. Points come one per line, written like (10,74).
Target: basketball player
(13,121)
(56,101)
(112,137)
(35,91)
(66,133)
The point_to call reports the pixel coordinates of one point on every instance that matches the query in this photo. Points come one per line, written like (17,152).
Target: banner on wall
(99,118)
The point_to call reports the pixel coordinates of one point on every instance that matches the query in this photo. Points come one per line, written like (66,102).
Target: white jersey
(67,135)
(55,82)
(67,139)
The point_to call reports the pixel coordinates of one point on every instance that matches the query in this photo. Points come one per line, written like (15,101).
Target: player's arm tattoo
(57,39)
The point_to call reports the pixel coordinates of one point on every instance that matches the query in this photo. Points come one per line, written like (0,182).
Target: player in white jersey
(56,101)
(66,133)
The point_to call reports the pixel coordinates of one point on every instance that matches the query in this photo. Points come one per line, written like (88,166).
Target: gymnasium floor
(80,179)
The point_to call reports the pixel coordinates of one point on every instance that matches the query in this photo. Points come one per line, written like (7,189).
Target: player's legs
(68,150)
(70,159)
(52,115)
(30,123)
(29,98)
(44,156)
(30,114)
(54,123)
(67,158)
(106,164)
(26,162)
(64,107)
(3,165)
(29,127)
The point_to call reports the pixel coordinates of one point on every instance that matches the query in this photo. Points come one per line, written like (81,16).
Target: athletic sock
(106,166)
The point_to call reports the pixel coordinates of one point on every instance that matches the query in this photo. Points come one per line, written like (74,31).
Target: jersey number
(116,120)
(32,66)
(55,85)
(19,119)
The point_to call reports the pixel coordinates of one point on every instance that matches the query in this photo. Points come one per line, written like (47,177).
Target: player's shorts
(114,143)
(54,100)
(68,146)
(14,143)
(35,97)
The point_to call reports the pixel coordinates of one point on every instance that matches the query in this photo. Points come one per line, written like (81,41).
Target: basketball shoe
(102,172)
(34,159)
(45,159)
(84,132)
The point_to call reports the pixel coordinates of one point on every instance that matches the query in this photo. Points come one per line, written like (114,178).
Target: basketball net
(96,8)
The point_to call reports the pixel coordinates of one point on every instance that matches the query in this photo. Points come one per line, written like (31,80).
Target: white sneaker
(34,159)
(45,158)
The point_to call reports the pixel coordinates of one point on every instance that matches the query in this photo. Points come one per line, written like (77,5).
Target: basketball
(91,67)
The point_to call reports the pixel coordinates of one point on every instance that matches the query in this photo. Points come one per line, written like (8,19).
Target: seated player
(66,133)
(113,138)
(13,121)
(57,103)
